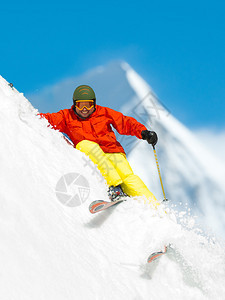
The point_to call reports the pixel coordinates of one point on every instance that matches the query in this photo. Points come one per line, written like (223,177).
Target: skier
(89,127)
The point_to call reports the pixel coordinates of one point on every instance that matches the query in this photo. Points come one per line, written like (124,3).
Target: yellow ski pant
(116,170)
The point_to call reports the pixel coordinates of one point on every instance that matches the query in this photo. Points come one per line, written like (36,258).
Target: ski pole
(157,164)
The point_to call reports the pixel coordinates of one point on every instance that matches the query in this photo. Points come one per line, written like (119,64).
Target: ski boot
(116,193)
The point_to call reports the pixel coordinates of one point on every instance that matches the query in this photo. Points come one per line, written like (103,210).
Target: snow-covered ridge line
(175,127)
(189,166)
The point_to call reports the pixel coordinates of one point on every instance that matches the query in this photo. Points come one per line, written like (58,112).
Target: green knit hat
(84,92)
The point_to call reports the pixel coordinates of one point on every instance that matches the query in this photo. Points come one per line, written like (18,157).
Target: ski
(156,255)
(100,205)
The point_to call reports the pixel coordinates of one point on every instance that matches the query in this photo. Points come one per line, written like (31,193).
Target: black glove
(149,136)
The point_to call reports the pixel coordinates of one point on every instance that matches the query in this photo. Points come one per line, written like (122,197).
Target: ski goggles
(88,104)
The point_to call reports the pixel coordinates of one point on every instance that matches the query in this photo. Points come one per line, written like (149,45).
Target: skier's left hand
(150,137)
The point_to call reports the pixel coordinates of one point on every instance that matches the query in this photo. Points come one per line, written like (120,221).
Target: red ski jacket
(97,127)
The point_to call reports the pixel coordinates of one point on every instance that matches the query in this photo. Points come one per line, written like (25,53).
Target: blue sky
(177,46)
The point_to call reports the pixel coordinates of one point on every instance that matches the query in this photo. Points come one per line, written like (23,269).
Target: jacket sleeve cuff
(141,129)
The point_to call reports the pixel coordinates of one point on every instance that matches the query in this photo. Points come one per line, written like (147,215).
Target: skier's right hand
(150,136)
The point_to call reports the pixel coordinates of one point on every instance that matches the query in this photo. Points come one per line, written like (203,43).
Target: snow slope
(191,175)
(50,250)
